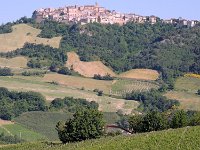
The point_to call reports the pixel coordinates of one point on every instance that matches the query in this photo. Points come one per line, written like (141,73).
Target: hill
(21,34)
(180,139)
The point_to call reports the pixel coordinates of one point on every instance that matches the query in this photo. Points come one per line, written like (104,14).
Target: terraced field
(21,34)
(178,139)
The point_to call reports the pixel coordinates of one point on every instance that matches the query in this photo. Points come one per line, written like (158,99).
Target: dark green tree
(179,119)
(153,121)
(85,124)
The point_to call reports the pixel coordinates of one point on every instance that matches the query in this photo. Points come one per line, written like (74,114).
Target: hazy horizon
(13,10)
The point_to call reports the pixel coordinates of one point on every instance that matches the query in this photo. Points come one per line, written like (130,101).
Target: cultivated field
(21,34)
(51,91)
(179,139)
(142,74)
(87,69)
(185,91)
(17,62)
(20,131)
(79,82)
(123,86)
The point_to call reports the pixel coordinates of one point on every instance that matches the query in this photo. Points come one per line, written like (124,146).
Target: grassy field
(45,122)
(21,131)
(87,69)
(21,34)
(51,91)
(185,91)
(14,63)
(179,139)
(123,86)
(142,74)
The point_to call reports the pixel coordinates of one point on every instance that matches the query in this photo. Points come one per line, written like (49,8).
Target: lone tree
(85,124)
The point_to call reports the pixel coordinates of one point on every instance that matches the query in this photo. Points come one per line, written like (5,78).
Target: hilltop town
(95,13)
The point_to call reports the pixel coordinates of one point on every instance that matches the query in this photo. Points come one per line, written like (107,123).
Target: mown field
(21,34)
(185,91)
(142,74)
(17,62)
(179,139)
(22,132)
(51,91)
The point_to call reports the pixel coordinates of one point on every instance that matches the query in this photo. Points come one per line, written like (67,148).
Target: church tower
(96,4)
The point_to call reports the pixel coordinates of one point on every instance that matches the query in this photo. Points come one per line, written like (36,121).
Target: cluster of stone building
(95,13)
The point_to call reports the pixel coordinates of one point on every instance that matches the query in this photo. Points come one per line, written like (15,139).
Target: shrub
(5,72)
(65,71)
(100,93)
(198,92)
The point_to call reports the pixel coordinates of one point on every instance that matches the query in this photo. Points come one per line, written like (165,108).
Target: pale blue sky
(190,9)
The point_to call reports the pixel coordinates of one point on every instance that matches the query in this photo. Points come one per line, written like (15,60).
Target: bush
(100,93)
(33,73)
(198,92)
(106,77)
(5,72)
(65,71)
(85,124)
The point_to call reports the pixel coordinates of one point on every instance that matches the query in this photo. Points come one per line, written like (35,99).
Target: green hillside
(179,139)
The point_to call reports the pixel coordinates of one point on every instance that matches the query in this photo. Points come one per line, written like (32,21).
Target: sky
(11,10)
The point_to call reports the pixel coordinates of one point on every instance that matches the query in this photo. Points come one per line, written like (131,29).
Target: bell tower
(96,4)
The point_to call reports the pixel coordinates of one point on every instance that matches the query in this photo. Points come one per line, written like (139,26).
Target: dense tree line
(12,104)
(40,55)
(106,77)
(155,121)
(72,105)
(152,101)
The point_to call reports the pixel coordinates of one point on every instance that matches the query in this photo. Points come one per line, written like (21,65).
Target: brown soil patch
(87,69)
(5,122)
(143,74)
